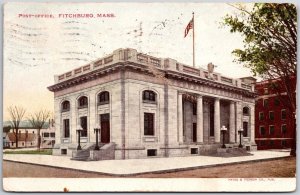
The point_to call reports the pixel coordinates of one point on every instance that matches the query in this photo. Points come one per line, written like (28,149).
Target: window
(83,123)
(266,90)
(245,128)
(262,143)
(103,98)
(261,116)
(271,129)
(63,151)
(283,129)
(283,114)
(149,96)
(66,123)
(276,101)
(65,106)
(148,124)
(52,134)
(23,144)
(271,115)
(152,152)
(46,134)
(245,111)
(194,109)
(283,143)
(194,150)
(262,130)
(82,102)
(271,143)
(265,102)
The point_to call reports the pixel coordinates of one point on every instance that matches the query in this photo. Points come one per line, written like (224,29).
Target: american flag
(188,27)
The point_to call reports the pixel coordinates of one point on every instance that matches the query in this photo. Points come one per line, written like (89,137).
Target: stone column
(238,120)
(199,119)
(217,120)
(180,118)
(231,123)
(252,124)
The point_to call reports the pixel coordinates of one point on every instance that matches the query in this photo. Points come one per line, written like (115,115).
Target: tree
(16,115)
(37,121)
(6,129)
(270,46)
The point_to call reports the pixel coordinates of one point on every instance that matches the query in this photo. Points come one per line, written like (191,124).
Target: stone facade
(188,106)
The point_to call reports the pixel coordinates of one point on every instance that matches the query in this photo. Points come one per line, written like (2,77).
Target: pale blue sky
(36,49)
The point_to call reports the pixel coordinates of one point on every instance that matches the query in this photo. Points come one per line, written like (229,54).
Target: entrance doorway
(105,128)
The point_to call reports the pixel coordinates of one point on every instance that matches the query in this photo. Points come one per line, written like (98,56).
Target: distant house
(24,140)
(48,136)
(28,135)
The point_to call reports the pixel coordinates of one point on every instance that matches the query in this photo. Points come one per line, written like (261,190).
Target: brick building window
(271,129)
(283,143)
(261,116)
(262,143)
(262,130)
(148,124)
(283,114)
(283,129)
(276,101)
(271,143)
(265,102)
(266,91)
(271,115)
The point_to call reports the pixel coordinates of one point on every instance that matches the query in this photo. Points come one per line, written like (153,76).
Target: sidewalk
(138,166)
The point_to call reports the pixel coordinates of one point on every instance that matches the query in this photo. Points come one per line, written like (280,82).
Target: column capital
(217,98)
(199,96)
(180,92)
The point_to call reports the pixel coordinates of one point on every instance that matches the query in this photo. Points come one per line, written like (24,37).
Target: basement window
(152,152)
(64,151)
(194,150)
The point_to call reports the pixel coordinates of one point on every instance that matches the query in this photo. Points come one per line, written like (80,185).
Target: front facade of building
(150,106)
(274,122)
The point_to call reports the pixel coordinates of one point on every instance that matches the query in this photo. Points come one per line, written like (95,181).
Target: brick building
(274,122)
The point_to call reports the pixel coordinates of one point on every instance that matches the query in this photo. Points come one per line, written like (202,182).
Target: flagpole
(193,41)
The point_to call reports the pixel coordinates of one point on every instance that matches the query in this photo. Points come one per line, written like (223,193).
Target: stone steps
(84,154)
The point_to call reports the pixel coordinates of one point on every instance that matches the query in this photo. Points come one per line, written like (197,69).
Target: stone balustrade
(166,63)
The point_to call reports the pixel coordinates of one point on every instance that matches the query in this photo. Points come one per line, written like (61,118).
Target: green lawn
(42,151)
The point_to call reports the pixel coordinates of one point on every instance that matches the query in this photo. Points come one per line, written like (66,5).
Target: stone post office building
(148,106)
